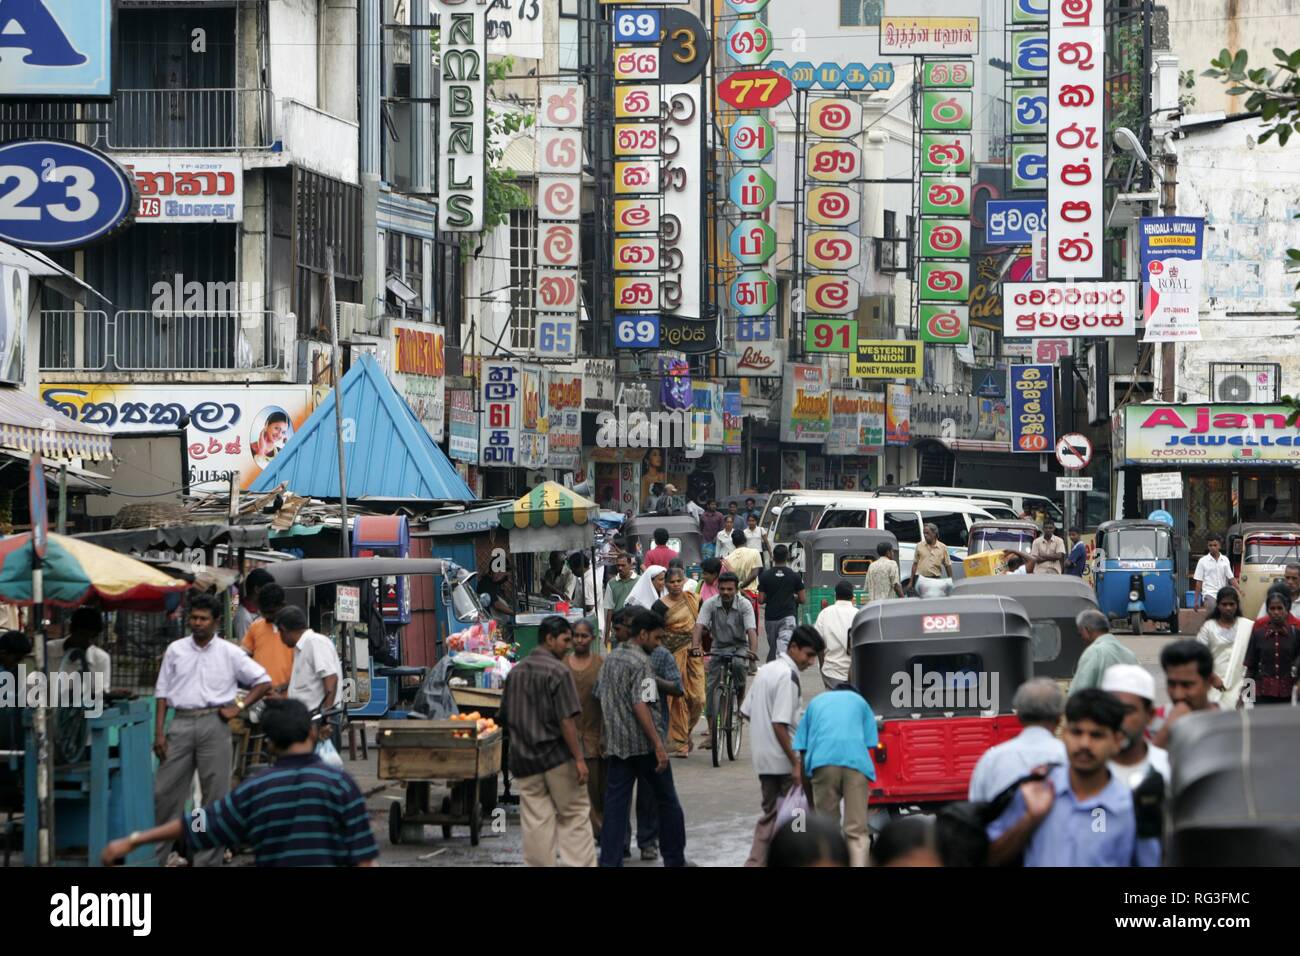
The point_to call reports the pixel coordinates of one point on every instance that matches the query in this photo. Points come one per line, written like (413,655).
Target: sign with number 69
(636,331)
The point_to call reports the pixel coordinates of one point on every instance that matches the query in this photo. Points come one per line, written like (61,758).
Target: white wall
(1199,29)
(294,44)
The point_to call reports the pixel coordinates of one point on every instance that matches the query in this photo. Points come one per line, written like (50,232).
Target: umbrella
(75,571)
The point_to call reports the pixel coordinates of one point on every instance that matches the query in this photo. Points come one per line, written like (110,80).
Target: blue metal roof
(388,452)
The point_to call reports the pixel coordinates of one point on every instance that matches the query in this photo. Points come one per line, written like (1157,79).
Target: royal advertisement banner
(1171,249)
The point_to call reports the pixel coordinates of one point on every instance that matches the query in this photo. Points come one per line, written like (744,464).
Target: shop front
(1238,463)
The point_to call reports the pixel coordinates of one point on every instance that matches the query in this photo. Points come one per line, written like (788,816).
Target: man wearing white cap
(1136,690)
(1134,687)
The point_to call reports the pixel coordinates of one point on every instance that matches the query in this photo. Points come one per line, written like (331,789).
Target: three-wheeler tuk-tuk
(825,558)
(939,674)
(1259,552)
(1231,801)
(1052,602)
(1134,571)
(1001,536)
(683,536)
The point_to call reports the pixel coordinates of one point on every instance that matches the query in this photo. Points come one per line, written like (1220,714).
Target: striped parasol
(76,571)
(549,505)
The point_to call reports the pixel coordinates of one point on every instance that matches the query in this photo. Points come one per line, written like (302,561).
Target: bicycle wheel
(735,725)
(715,723)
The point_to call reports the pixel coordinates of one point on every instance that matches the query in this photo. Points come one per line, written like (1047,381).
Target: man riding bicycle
(730,620)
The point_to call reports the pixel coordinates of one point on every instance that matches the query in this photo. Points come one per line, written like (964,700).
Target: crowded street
(858,435)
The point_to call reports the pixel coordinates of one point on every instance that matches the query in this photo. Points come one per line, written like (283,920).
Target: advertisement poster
(991,420)
(1172,249)
(794,470)
(1033,409)
(419,372)
(733,422)
(499,419)
(806,404)
(898,414)
(675,384)
(816,471)
(843,438)
(871,424)
(233,430)
(463,445)
(187,188)
(564,436)
(14,286)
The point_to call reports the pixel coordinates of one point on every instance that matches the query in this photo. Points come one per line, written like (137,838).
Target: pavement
(721,804)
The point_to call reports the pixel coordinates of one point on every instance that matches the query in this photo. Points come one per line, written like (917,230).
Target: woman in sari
(1226,632)
(680,608)
(648,588)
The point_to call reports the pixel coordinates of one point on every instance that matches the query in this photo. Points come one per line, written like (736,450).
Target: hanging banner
(806,404)
(680,230)
(1076,133)
(1033,409)
(462,108)
(463,424)
(419,372)
(1171,250)
(857,423)
(733,423)
(564,435)
(888,358)
(898,414)
(675,392)
(906,36)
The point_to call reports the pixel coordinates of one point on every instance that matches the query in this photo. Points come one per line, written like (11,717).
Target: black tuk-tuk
(683,535)
(939,674)
(1232,801)
(825,558)
(1052,601)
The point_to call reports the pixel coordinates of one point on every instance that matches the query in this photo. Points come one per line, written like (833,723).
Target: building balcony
(202,119)
(97,344)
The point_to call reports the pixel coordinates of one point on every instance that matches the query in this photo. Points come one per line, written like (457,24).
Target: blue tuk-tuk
(1135,573)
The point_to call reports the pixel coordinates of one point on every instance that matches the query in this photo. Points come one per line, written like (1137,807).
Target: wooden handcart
(423,752)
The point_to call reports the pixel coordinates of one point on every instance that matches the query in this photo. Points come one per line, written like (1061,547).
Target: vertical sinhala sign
(558,289)
(462,114)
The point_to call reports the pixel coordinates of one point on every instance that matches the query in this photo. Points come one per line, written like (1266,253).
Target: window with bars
(404,275)
(860,13)
(523,240)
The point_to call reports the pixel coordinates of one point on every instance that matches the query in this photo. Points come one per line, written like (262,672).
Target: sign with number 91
(831,335)
(636,331)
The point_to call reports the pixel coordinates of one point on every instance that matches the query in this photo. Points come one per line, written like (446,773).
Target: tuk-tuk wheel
(1173,622)
(446,809)
(1135,622)
(395,823)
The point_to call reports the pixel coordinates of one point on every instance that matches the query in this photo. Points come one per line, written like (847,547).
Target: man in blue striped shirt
(300,812)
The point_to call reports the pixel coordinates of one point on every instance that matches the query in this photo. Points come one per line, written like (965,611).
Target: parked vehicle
(827,557)
(939,675)
(1017,501)
(1052,602)
(1134,571)
(1001,535)
(1259,552)
(905,518)
(790,512)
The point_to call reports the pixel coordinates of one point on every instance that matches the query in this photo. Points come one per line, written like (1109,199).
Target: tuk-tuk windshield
(1139,544)
(796,518)
(1272,550)
(996,539)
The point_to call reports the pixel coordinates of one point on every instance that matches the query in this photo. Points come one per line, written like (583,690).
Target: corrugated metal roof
(388,453)
(520,155)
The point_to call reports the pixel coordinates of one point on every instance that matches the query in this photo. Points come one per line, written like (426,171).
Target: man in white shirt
(1038,704)
(1213,572)
(317,673)
(198,678)
(78,652)
(833,624)
(772,708)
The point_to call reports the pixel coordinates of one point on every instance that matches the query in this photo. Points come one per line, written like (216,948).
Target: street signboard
(754,89)
(60,195)
(1074,484)
(1162,486)
(1074,451)
(1014,221)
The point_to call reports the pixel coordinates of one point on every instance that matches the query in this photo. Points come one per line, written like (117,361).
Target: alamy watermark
(921,689)
(622,428)
(75,690)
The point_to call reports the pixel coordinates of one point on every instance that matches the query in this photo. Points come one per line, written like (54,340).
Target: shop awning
(388,454)
(49,272)
(27,424)
(176,537)
(549,505)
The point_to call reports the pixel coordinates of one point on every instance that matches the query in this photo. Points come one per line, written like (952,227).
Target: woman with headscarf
(1271,655)
(680,608)
(1226,632)
(648,588)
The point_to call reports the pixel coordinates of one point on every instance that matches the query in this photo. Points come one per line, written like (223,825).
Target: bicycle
(726,720)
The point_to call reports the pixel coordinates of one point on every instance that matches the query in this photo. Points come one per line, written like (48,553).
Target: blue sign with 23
(60,195)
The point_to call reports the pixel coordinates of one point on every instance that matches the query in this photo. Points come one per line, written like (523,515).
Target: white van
(905,517)
(1018,501)
(797,511)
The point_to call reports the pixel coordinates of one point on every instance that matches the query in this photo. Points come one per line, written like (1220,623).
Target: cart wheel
(446,827)
(395,823)
(1135,622)
(475,822)
(487,793)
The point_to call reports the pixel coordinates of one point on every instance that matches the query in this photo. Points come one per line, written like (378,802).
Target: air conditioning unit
(1244,385)
(352,319)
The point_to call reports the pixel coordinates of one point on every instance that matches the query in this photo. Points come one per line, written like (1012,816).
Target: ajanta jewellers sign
(1209,434)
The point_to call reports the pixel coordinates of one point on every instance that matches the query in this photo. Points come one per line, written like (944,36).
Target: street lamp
(1127,142)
